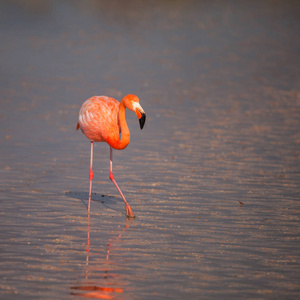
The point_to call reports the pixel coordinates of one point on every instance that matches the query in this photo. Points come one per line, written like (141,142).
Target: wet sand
(213,178)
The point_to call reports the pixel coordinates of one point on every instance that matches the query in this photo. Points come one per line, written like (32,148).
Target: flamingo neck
(125,133)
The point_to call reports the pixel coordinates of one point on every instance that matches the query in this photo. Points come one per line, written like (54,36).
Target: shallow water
(213,178)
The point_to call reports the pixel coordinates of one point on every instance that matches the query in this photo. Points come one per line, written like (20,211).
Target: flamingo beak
(142,117)
(142,120)
(139,113)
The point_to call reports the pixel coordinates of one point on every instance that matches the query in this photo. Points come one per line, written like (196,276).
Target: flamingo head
(132,102)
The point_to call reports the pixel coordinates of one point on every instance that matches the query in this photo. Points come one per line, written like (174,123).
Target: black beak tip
(142,120)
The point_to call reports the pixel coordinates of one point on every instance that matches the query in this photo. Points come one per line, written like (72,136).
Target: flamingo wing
(98,118)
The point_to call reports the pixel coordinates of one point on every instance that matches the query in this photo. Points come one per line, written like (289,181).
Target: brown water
(213,178)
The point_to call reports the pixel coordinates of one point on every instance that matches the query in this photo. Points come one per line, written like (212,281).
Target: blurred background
(213,177)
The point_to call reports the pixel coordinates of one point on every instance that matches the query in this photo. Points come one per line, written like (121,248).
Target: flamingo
(102,119)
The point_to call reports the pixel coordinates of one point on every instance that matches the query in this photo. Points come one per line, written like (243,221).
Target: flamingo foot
(129,212)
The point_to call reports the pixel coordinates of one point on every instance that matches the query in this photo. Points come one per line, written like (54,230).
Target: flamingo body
(102,119)
(98,119)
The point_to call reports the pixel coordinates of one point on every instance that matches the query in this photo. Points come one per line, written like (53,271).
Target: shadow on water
(108,201)
(100,280)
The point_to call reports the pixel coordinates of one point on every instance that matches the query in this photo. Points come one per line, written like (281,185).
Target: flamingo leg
(111,176)
(91,175)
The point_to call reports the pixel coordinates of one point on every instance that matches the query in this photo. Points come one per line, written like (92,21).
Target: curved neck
(125,133)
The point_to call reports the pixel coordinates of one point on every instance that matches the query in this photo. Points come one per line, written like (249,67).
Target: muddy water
(213,178)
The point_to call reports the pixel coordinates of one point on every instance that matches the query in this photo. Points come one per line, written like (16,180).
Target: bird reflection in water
(92,290)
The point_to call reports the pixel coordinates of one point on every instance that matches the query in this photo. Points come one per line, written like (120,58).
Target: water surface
(213,178)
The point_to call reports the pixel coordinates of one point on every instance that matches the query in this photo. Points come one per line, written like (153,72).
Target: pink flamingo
(102,119)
